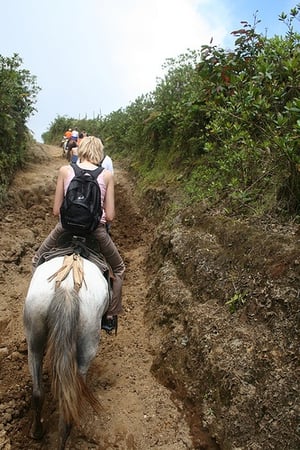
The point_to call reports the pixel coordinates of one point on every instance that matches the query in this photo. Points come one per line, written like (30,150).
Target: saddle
(73,248)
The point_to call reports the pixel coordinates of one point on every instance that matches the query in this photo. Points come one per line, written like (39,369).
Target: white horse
(68,324)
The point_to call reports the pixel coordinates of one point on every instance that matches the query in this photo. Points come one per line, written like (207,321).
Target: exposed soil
(184,372)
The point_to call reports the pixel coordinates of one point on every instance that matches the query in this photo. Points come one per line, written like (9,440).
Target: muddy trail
(209,339)
(137,412)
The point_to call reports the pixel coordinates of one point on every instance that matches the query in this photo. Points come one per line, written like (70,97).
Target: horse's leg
(64,433)
(87,346)
(36,346)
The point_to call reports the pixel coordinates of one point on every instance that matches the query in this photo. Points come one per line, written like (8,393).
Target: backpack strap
(78,170)
(97,172)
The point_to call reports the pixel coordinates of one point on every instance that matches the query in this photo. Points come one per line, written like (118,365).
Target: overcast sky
(93,57)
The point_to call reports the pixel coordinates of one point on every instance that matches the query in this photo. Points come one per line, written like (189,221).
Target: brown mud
(186,370)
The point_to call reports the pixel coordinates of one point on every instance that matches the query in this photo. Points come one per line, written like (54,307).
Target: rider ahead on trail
(75,134)
(90,154)
(68,134)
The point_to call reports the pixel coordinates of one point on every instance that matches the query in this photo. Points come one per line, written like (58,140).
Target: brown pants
(109,251)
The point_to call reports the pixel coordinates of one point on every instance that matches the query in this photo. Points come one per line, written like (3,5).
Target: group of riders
(70,143)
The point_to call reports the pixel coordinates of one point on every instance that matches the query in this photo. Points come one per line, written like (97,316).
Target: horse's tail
(68,385)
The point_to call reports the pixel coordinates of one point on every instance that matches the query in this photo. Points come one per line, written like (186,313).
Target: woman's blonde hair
(91,149)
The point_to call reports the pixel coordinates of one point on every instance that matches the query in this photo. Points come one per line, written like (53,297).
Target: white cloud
(141,35)
(115,49)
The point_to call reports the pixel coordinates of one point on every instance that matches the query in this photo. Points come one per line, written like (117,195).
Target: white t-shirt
(75,134)
(108,164)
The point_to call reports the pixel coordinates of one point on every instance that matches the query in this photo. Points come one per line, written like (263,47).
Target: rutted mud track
(138,413)
(215,316)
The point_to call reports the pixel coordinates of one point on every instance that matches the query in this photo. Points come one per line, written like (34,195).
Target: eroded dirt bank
(233,373)
(225,319)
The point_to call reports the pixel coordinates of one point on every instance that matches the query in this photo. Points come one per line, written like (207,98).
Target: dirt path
(138,413)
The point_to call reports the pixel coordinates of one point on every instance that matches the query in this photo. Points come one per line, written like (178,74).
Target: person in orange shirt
(68,134)
(65,141)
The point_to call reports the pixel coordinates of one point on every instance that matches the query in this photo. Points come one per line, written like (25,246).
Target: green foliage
(18,92)
(57,130)
(224,122)
(235,302)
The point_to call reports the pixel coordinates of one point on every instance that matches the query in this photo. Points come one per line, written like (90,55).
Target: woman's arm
(109,200)
(59,191)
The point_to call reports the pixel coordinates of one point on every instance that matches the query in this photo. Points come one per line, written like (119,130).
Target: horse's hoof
(37,434)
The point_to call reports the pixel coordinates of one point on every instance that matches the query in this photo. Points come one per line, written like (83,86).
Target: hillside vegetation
(223,125)
(18,90)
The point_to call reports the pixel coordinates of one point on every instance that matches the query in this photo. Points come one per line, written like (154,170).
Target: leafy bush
(18,92)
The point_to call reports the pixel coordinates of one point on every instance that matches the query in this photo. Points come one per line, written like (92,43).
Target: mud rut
(137,412)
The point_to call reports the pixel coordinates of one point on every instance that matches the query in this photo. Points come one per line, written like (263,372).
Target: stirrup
(109,325)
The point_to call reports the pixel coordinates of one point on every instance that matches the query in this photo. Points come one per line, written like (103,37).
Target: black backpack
(81,210)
